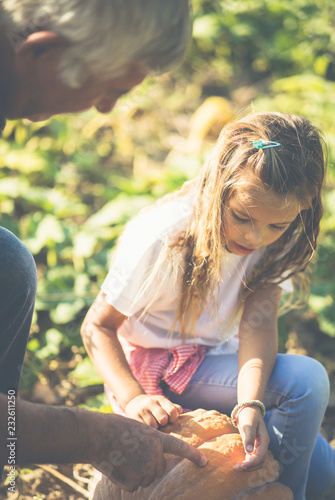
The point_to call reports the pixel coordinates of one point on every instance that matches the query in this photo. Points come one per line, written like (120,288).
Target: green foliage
(68,186)
(85,373)
(256,38)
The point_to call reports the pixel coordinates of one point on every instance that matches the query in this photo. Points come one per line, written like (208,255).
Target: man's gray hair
(104,36)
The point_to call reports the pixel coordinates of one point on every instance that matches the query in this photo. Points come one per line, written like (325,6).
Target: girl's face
(256,217)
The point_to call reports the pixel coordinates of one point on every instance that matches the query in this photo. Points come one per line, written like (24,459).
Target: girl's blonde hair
(293,170)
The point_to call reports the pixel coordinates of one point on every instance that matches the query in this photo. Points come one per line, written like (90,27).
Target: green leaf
(49,232)
(65,312)
(85,373)
(33,345)
(53,339)
(84,244)
(99,403)
(118,210)
(25,161)
(206,26)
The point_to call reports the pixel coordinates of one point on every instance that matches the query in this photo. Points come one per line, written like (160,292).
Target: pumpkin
(220,441)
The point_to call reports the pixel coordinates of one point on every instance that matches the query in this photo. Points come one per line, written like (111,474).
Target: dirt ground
(70,482)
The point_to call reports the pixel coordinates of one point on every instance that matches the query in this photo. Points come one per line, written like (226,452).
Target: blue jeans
(296,399)
(18,281)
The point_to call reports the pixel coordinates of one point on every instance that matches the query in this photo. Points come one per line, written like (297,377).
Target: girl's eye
(239,219)
(245,221)
(278,228)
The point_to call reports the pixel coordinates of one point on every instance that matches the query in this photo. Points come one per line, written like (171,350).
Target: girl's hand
(255,439)
(152,410)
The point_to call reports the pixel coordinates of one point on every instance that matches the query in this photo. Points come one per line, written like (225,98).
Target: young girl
(187,316)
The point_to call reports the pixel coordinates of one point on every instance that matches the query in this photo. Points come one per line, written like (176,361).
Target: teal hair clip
(260,144)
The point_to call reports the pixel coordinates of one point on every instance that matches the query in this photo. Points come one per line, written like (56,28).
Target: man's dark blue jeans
(18,281)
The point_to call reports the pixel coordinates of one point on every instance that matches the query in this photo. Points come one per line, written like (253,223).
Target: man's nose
(105,104)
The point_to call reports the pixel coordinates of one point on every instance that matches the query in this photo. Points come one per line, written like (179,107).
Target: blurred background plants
(68,186)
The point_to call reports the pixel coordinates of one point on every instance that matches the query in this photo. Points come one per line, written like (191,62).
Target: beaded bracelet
(239,407)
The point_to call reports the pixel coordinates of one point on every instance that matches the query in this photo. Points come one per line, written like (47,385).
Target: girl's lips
(243,250)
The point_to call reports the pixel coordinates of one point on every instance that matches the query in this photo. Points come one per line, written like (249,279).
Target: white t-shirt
(133,261)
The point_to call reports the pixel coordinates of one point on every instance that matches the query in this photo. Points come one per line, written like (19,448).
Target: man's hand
(130,453)
(136,457)
(153,410)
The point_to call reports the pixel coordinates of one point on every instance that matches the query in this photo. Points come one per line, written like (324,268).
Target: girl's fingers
(149,418)
(179,409)
(253,461)
(249,439)
(250,464)
(153,410)
(145,418)
(173,411)
(160,414)
(257,444)
(165,412)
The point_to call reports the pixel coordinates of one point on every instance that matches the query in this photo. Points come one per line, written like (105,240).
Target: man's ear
(39,50)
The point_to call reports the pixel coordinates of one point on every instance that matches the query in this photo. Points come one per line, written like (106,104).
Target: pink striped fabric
(176,366)
(150,366)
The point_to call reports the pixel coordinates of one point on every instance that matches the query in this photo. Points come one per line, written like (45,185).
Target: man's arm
(128,452)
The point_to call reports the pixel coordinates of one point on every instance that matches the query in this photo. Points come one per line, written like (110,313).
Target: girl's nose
(253,236)
(105,104)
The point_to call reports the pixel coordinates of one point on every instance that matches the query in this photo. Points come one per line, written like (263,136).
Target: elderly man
(58,57)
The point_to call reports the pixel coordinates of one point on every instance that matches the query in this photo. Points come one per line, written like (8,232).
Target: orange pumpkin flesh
(220,441)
